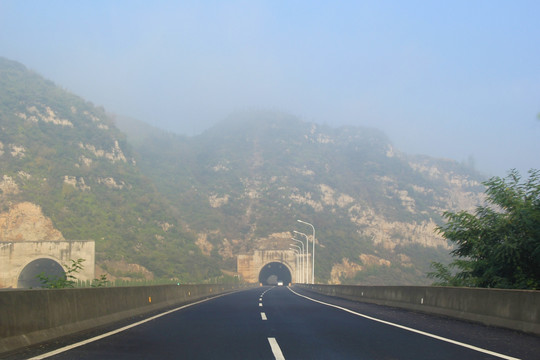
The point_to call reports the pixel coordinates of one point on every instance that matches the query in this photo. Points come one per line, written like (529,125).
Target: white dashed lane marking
(276,349)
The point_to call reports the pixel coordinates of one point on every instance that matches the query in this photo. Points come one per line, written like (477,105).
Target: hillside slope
(242,184)
(66,156)
(171,206)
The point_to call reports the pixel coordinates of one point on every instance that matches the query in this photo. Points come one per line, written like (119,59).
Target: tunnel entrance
(29,275)
(274,272)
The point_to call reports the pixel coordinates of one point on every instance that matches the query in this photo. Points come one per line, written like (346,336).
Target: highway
(289,323)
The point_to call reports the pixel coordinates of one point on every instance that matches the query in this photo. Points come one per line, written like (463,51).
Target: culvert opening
(29,275)
(274,273)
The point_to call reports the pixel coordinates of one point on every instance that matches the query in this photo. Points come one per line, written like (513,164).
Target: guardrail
(29,317)
(512,309)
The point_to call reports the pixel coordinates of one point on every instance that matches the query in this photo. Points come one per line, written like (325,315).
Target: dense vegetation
(499,245)
(129,219)
(259,161)
(148,198)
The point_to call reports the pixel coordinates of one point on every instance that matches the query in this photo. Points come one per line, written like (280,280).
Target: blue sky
(451,79)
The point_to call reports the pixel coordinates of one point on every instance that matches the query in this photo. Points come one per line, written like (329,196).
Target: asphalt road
(280,323)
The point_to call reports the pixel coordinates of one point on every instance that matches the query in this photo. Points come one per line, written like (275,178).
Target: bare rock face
(8,185)
(274,241)
(25,222)
(127,270)
(346,269)
(203,244)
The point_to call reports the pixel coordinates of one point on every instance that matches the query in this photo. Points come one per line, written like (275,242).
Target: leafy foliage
(101,281)
(260,161)
(254,165)
(499,245)
(85,178)
(68,280)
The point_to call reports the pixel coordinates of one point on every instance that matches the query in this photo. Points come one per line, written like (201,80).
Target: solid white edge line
(276,350)
(263,316)
(95,338)
(472,347)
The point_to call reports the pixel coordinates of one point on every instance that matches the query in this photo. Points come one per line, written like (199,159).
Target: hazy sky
(453,79)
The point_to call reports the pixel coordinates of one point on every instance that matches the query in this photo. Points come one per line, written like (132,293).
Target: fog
(456,79)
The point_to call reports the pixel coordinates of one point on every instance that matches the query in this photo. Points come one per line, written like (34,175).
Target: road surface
(290,323)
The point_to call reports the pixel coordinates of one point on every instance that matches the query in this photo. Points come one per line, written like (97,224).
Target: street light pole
(312,252)
(298,261)
(302,268)
(303,260)
(307,253)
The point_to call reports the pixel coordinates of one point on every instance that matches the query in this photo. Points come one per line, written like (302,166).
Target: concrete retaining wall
(32,316)
(513,309)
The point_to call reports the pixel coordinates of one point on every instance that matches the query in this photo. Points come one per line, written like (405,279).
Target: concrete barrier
(512,309)
(29,317)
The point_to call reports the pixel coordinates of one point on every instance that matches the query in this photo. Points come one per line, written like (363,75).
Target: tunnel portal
(258,266)
(29,275)
(273,273)
(21,261)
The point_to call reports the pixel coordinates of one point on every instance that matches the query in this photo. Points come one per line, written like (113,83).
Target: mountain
(242,185)
(170,206)
(64,159)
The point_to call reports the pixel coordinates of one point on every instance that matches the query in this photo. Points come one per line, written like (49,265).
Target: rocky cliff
(25,222)
(66,171)
(162,205)
(243,184)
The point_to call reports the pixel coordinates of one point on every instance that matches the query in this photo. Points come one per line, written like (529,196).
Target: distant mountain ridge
(242,184)
(66,156)
(164,205)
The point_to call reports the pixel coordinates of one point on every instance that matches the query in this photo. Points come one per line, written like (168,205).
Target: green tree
(68,280)
(101,282)
(498,245)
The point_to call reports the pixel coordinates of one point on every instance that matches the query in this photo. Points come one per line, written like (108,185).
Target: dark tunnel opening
(273,273)
(29,275)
